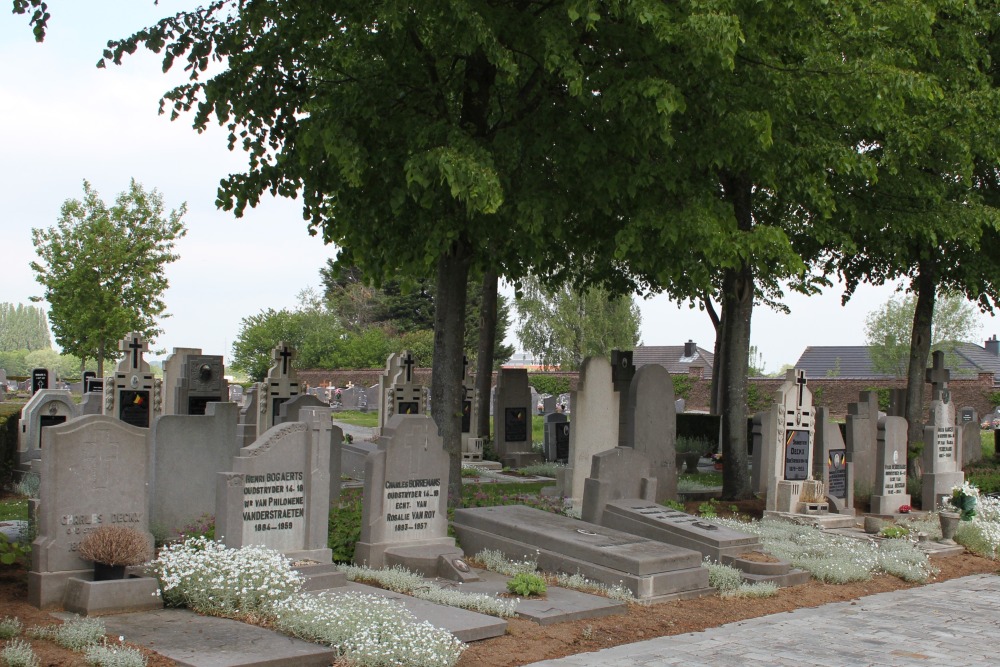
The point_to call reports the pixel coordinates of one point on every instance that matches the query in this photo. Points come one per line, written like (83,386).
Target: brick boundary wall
(831,393)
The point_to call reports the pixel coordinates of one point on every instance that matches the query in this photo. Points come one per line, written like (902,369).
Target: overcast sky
(63,121)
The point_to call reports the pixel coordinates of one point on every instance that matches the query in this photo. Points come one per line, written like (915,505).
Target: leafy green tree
(888,330)
(103,269)
(23,328)
(256,338)
(564,326)
(39,10)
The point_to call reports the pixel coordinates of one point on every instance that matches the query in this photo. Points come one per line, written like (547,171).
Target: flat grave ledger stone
(95,472)
(404,519)
(45,408)
(942,455)
(42,378)
(189,451)
(277,494)
(651,426)
(652,571)
(890,472)
(132,394)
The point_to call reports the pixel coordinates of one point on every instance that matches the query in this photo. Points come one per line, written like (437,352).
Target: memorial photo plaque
(837,473)
(409,408)
(515,425)
(466,416)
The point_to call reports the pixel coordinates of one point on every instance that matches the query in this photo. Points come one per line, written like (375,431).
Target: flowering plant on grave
(965,498)
(904,509)
(717,457)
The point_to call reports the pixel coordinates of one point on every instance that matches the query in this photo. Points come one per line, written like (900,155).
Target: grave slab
(467,626)
(560,605)
(192,640)
(653,571)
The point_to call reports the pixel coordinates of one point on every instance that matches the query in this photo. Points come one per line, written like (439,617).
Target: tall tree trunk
(487,346)
(737,308)
(920,349)
(718,359)
(447,370)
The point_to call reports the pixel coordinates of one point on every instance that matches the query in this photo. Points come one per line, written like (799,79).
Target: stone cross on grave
(408,362)
(800,380)
(283,354)
(938,376)
(137,345)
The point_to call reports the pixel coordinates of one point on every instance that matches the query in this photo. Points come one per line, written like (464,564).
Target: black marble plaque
(197,404)
(93,385)
(409,408)
(48,420)
(562,442)
(39,379)
(466,416)
(276,407)
(134,408)
(796,455)
(836,466)
(515,425)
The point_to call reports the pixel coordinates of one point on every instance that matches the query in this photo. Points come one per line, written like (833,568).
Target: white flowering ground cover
(834,558)
(254,583)
(982,535)
(495,561)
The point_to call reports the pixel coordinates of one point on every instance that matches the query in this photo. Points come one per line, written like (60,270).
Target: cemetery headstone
(278,493)
(45,408)
(189,451)
(680,405)
(594,407)
(556,437)
(651,426)
(972,440)
(942,456)
(42,378)
(861,439)
(472,446)
(281,384)
(95,473)
(88,383)
(404,517)
(193,380)
(132,394)
(512,414)
(401,394)
(622,472)
(236,394)
(890,467)
(250,410)
(832,464)
(622,373)
(789,469)
(549,403)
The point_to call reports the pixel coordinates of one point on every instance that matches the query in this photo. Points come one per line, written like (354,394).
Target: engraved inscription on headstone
(946,442)
(836,465)
(411,505)
(796,455)
(39,379)
(273,502)
(894,479)
(515,425)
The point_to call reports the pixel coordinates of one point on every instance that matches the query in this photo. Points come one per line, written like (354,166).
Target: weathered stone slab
(618,473)
(651,426)
(663,524)
(651,570)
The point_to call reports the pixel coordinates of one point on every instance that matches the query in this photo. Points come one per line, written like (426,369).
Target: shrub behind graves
(345,525)
(548,384)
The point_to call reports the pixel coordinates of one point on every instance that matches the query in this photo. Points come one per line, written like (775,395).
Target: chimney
(690,349)
(993,346)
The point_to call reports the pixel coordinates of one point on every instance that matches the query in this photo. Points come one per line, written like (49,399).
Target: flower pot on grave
(691,461)
(105,572)
(949,526)
(717,466)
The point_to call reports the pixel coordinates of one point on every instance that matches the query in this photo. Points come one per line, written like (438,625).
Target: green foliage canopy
(102,269)
(23,328)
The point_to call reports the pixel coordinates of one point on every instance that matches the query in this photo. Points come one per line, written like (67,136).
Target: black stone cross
(285,355)
(137,345)
(408,362)
(938,376)
(801,381)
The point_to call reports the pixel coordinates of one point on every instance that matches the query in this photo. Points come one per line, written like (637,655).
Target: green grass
(988,443)
(14,509)
(357,418)
(703,478)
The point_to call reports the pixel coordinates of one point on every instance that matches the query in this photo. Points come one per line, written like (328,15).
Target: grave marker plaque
(837,473)
(515,425)
(796,455)
(132,394)
(40,378)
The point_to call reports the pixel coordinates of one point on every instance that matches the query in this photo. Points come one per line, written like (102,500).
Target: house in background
(853,362)
(686,359)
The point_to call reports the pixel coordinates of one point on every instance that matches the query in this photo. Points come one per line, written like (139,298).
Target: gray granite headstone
(832,465)
(192,380)
(189,451)
(594,407)
(404,517)
(789,468)
(942,455)
(512,415)
(890,467)
(651,426)
(618,473)
(278,493)
(971,434)
(281,384)
(861,438)
(132,394)
(556,437)
(95,472)
(45,408)
(294,410)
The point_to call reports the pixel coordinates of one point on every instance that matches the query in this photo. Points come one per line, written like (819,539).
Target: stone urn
(691,461)
(949,526)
